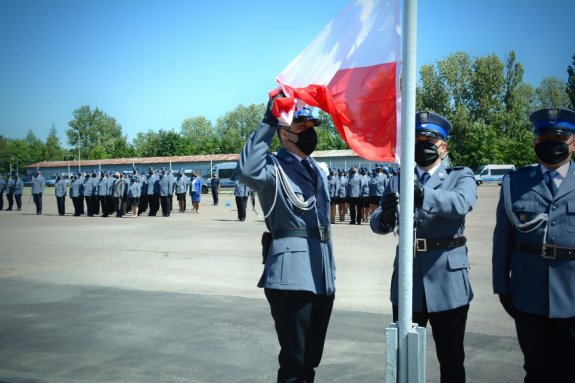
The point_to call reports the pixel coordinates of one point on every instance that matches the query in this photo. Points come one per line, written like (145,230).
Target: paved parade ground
(174,299)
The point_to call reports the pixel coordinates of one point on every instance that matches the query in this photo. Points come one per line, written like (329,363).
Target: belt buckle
(420,244)
(544,251)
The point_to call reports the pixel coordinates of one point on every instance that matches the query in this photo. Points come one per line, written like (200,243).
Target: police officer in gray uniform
(342,199)
(333,186)
(442,199)
(534,250)
(18,190)
(88,187)
(241,193)
(164,182)
(353,195)
(76,187)
(299,271)
(38,185)
(153,193)
(60,192)
(103,193)
(10,191)
(2,189)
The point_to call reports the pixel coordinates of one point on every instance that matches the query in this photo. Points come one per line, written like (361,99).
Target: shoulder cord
(526,227)
(282,178)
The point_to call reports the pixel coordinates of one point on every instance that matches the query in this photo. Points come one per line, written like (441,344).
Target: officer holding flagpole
(442,198)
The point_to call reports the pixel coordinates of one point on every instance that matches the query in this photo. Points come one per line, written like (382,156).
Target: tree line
(485,98)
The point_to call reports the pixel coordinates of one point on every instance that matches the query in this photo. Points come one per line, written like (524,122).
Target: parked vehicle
(492,173)
(225,171)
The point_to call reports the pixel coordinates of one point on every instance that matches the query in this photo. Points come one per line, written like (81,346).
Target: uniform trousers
(10,198)
(548,346)
(241,203)
(355,210)
(165,203)
(38,202)
(103,205)
(215,196)
(301,320)
(448,329)
(1,201)
(154,204)
(78,205)
(60,201)
(18,198)
(118,206)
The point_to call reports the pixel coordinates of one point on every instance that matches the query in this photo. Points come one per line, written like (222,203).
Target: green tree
(97,135)
(328,136)
(53,150)
(456,72)
(199,136)
(432,93)
(570,89)
(146,144)
(234,128)
(487,88)
(551,93)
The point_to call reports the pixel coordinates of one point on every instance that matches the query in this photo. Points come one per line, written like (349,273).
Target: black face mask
(307,141)
(552,152)
(425,153)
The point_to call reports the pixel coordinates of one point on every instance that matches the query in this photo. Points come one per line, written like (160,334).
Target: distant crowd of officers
(357,191)
(107,193)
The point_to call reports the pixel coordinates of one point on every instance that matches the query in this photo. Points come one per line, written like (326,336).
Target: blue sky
(152,63)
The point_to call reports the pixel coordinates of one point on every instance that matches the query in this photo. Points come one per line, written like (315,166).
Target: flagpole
(408,82)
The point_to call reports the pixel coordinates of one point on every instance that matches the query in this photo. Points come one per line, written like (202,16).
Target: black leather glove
(507,304)
(389,204)
(269,117)
(417,193)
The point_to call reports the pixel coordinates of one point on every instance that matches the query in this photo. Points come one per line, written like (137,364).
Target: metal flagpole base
(416,343)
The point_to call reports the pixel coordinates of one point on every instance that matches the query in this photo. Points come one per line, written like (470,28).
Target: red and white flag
(351,71)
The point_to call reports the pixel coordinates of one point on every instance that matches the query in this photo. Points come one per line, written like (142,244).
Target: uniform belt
(425,244)
(547,250)
(321,233)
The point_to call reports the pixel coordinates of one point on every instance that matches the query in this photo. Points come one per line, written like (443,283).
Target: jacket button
(287,247)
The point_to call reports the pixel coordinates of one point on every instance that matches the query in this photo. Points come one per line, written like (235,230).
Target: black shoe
(351,223)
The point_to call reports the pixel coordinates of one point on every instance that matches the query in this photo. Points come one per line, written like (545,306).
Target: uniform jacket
(153,187)
(181,184)
(354,185)
(537,285)
(18,186)
(60,188)
(2,184)
(380,182)
(333,184)
(441,273)
(118,188)
(365,186)
(10,186)
(89,186)
(293,263)
(164,182)
(76,187)
(241,190)
(102,186)
(38,184)
(342,187)
(135,190)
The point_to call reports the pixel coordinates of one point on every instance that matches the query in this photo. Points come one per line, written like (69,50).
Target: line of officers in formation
(357,191)
(106,192)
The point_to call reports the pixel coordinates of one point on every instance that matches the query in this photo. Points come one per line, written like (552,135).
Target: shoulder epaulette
(449,170)
(524,168)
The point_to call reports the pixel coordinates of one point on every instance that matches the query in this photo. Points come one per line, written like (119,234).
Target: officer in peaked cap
(38,185)
(442,199)
(534,249)
(299,273)
(2,189)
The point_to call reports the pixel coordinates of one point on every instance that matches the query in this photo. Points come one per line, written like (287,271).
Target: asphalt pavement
(174,299)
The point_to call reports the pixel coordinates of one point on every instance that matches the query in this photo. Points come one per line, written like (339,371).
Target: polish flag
(351,71)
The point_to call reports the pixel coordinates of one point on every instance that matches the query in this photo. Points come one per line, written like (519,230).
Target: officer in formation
(333,185)
(76,193)
(153,192)
(442,199)
(534,250)
(299,272)
(354,185)
(18,191)
(2,190)
(118,194)
(342,198)
(377,186)
(166,185)
(60,191)
(38,185)
(134,194)
(9,189)
(182,183)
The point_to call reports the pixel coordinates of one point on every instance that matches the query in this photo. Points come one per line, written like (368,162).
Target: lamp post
(79,163)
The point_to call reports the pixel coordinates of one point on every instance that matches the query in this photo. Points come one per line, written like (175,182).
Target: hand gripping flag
(351,72)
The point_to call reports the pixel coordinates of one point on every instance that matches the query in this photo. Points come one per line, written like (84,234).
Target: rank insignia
(522,217)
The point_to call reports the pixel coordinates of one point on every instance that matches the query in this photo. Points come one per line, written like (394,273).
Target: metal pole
(79,164)
(406,182)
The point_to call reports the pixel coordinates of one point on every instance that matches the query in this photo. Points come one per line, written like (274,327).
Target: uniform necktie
(550,181)
(424,178)
(309,169)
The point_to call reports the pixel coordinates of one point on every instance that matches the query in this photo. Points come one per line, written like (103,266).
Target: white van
(225,171)
(492,173)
